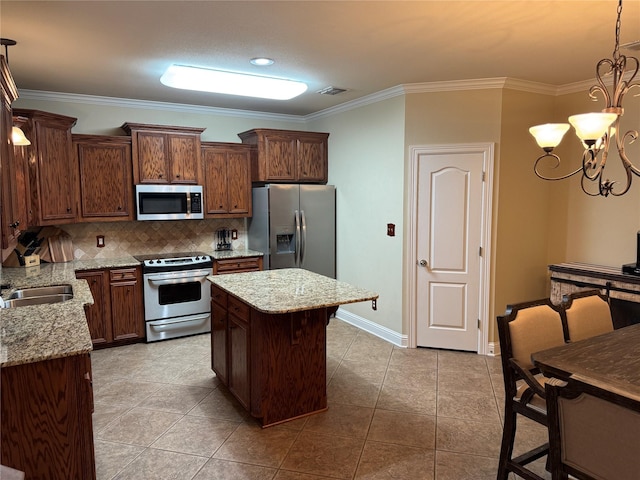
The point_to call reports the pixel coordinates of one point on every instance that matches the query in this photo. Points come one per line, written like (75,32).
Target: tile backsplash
(134,238)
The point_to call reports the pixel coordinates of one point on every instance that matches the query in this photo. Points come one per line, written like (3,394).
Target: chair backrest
(587,314)
(526,328)
(593,433)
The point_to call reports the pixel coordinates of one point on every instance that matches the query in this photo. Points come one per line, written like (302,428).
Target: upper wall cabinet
(105,185)
(287,155)
(51,166)
(165,154)
(13,211)
(227,179)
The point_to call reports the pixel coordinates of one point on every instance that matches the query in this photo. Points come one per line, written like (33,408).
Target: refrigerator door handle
(304,236)
(298,242)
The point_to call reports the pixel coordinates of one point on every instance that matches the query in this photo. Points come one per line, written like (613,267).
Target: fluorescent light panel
(230,83)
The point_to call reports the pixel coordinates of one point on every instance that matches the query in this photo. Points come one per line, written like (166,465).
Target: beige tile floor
(393,414)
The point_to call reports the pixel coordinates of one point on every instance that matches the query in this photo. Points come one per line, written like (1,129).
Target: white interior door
(448,247)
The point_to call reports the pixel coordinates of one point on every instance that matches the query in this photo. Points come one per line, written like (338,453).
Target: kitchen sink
(42,292)
(42,300)
(39,296)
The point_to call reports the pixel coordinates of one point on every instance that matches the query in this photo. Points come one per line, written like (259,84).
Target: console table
(622,288)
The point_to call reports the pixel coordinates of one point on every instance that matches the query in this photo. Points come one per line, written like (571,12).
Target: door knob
(423,263)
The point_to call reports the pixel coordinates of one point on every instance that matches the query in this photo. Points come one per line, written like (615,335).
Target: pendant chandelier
(597,131)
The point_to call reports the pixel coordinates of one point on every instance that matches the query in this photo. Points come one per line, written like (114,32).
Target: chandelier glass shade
(597,130)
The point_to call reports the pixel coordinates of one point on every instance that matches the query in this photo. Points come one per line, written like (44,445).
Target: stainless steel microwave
(169,202)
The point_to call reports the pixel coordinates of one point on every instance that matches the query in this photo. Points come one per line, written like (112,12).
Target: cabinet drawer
(240,309)
(123,274)
(219,296)
(236,265)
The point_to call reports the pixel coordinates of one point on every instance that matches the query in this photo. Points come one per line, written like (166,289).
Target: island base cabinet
(288,365)
(46,420)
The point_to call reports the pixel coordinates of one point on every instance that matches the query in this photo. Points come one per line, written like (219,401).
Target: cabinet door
(219,341)
(215,187)
(184,154)
(98,314)
(311,156)
(46,418)
(14,186)
(239,183)
(279,153)
(56,175)
(106,186)
(126,304)
(152,157)
(239,380)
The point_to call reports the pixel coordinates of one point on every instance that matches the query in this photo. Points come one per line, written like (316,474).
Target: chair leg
(506,448)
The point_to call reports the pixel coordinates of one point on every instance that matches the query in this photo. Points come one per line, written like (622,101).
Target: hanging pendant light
(596,130)
(18,138)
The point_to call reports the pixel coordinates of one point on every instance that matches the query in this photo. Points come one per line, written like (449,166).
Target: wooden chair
(593,433)
(587,314)
(525,328)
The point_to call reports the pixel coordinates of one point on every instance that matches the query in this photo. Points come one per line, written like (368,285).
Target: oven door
(176,294)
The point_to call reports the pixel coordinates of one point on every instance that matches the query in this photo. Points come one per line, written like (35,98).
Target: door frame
(415,151)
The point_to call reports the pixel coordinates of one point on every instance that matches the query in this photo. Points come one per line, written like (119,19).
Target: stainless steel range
(177,296)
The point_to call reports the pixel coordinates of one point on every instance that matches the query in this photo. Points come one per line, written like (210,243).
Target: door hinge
(483,176)
(479,324)
(480,251)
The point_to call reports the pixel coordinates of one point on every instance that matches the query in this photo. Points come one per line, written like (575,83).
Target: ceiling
(121,48)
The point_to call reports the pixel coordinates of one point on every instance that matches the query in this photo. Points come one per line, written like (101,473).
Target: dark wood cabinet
(219,327)
(51,165)
(237,265)
(227,179)
(46,418)
(13,209)
(99,314)
(287,155)
(165,154)
(239,380)
(105,183)
(274,364)
(116,316)
(127,315)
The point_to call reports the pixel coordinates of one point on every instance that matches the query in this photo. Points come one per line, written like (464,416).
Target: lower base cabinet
(117,314)
(273,364)
(46,423)
(237,265)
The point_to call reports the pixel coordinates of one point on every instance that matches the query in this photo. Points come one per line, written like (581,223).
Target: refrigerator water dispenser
(285,243)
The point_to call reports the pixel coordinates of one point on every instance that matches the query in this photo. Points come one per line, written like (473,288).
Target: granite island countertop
(42,332)
(289,290)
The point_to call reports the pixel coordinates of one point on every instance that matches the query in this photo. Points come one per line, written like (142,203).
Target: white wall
(367,165)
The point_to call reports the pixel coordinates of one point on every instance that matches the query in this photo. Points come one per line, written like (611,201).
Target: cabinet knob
(119,207)
(178,175)
(68,209)
(220,206)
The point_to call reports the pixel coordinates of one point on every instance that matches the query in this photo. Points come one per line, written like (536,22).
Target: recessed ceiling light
(231,83)
(261,61)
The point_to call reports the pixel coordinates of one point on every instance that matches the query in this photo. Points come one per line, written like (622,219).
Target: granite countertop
(42,332)
(289,290)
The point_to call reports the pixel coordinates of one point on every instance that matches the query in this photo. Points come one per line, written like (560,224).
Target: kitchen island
(268,338)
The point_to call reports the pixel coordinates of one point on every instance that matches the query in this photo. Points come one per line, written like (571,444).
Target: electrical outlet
(391,229)
(99,241)
(234,234)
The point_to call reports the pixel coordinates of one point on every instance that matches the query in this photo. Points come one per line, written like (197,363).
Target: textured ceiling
(121,48)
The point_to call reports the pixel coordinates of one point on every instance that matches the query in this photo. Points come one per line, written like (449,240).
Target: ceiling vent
(331,91)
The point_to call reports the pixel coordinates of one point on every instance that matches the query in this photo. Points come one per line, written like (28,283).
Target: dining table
(610,361)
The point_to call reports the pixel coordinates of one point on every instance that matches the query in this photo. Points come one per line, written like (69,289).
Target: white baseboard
(372,328)
(493,349)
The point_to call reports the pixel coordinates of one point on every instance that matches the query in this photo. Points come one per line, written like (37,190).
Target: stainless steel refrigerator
(295,226)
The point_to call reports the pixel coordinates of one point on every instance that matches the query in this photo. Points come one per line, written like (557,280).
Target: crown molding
(153,105)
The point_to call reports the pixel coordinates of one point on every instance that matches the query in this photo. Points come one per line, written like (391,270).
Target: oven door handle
(162,323)
(167,281)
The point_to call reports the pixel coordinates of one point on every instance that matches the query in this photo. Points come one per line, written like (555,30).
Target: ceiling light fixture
(262,61)
(597,130)
(231,83)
